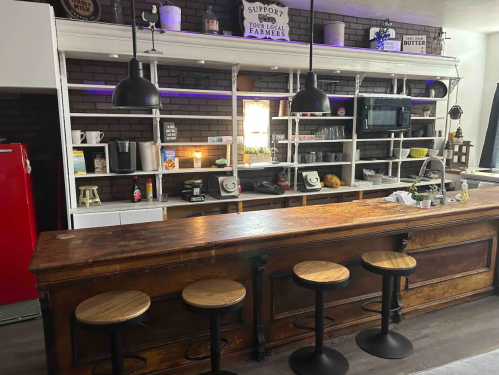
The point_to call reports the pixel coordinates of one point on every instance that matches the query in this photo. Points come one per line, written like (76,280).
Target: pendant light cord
(311,33)
(134,31)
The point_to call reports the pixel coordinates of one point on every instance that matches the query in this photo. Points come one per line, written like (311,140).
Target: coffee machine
(122,155)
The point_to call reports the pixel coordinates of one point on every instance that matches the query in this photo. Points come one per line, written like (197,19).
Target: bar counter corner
(455,247)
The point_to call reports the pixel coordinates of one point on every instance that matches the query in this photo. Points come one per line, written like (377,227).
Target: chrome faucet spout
(442,175)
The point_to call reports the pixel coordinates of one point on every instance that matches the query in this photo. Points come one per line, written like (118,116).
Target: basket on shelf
(197,81)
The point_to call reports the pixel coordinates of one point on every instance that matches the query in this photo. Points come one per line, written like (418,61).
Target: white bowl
(432,152)
(401,153)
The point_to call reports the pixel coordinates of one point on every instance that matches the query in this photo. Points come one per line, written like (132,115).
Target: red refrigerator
(18,235)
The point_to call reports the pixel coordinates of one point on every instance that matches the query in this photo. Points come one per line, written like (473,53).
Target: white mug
(94,137)
(77,136)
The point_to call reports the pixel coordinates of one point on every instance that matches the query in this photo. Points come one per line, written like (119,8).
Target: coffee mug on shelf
(77,136)
(331,157)
(94,137)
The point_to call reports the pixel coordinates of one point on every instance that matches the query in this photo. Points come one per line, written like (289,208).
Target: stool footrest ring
(126,356)
(308,328)
(363,307)
(203,357)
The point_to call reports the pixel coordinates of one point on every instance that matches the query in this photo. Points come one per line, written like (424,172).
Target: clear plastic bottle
(118,12)
(464,191)
(210,22)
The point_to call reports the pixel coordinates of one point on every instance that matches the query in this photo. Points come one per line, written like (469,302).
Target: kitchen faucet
(442,182)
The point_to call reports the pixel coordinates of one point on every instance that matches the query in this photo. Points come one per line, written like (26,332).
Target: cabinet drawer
(96,220)
(141,216)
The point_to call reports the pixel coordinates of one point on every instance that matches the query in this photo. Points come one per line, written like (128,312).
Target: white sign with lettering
(265,21)
(414,43)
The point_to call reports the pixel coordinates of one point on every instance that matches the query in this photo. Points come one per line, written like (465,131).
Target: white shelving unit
(95,41)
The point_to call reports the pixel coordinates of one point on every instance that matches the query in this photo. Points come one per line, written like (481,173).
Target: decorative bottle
(136,194)
(118,12)
(464,191)
(210,22)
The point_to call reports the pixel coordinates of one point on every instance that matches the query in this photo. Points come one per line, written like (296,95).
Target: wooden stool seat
(389,263)
(321,272)
(113,307)
(214,293)
(88,194)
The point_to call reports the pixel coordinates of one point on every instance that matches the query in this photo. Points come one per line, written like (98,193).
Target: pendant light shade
(311,99)
(136,92)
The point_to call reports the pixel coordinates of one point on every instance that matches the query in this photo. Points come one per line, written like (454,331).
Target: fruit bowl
(401,153)
(419,152)
(432,152)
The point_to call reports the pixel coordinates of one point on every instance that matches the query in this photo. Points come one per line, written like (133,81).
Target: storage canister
(334,33)
(170,17)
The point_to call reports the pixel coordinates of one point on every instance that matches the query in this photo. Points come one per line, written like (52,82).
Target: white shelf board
(90,145)
(418,159)
(134,115)
(418,98)
(421,138)
(427,118)
(317,141)
(323,164)
(378,139)
(259,166)
(173,90)
(194,144)
(260,94)
(245,196)
(142,173)
(375,161)
(313,118)
(341,96)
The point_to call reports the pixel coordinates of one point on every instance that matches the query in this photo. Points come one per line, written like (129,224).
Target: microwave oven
(381,114)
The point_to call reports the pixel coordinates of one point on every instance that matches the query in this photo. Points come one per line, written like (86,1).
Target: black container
(122,155)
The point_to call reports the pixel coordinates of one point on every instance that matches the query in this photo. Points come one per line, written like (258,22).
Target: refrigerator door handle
(6,150)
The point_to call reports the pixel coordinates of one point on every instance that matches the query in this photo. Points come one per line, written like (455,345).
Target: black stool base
(305,361)
(222,372)
(390,346)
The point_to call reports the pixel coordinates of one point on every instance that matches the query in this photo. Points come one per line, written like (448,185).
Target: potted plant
(424,199)
(427,110)
(256,155)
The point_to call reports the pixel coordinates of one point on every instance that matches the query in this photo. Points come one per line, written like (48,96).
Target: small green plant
(250,150)
(415,194)
(427,108)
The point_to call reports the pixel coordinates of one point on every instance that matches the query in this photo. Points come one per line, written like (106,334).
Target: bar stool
(381,342)
(318,360)
(111,313)
(213,298)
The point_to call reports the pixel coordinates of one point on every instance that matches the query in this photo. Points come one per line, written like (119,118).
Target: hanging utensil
(246,83)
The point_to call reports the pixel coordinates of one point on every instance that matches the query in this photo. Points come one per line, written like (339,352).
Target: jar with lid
(210,22)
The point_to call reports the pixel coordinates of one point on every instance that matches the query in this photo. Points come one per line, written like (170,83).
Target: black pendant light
(136,92)
(311,99)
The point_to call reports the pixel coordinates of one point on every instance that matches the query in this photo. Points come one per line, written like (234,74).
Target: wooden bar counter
(455,247)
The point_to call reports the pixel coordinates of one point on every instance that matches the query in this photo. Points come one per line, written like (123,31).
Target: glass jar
(311,157)
(118,12)
(210,22)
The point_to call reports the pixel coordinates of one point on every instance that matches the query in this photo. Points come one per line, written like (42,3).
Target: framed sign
(84,10)
(414,43)
(265,19)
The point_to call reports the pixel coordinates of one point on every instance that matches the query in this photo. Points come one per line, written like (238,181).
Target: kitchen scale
(309,181)
(223,187)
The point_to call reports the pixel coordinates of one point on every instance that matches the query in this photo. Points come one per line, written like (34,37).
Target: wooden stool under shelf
(213,298)
(88,194)
(381,342)
(112,312)
(318,360)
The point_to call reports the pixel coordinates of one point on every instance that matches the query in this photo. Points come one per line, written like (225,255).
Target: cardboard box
(392,45)
(168,159)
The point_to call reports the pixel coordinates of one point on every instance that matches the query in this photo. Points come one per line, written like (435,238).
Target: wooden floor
(439,337)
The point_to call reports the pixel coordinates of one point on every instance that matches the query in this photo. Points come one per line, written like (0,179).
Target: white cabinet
(141,216)
(28,43)
(107,219)
(96,220)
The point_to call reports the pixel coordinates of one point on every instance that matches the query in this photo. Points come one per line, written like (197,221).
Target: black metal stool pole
(215,344)
(319,322)
(117,353)
(386,304)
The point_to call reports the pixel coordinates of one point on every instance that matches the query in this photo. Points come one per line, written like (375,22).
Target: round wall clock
(84,10)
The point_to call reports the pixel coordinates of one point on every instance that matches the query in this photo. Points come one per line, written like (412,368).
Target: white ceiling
(473,15)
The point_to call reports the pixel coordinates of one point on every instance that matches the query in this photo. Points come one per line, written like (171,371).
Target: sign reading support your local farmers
(266,21)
